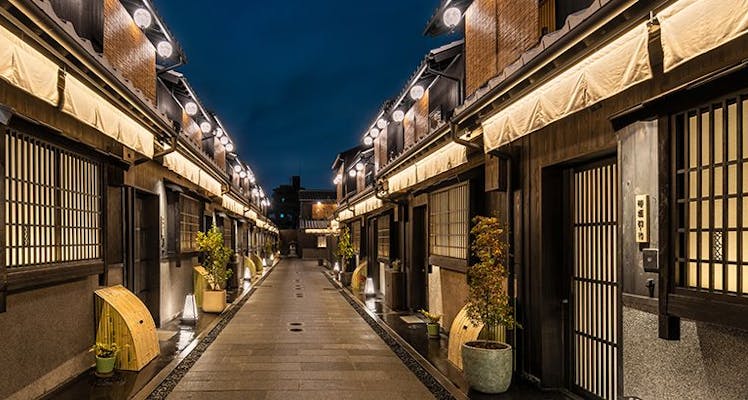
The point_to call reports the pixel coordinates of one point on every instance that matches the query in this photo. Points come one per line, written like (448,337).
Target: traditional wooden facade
(111,165)
(608,135)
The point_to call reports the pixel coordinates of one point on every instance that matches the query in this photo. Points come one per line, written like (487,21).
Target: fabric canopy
(91,108)
(692,27)
(367,205)
(190,171)
(442,160)
(233,205)
(25,67)
(608,71)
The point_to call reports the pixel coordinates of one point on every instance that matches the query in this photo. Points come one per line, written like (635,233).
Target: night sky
(298,81)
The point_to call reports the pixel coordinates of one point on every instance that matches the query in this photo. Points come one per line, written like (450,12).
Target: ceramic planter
(433,330)
(105,366)
(487,370)
(214,301)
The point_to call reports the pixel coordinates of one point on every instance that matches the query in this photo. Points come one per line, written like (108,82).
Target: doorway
(417,271)
(142,272)
(593,336)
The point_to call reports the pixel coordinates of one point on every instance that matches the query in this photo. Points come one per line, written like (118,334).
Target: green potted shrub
(487,364)
(346,253)
(215,258)
(106,357)
(432,326)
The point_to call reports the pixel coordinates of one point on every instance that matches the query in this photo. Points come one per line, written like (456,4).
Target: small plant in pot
(487,364)
(432,326)
(396,265)
(346,253)
(106,357)
(215,258)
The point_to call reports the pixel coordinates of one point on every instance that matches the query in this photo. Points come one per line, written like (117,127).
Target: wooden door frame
(129,196)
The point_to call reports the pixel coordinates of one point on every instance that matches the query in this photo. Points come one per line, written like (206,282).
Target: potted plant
(432,326)
(487,364)
(346,253)
(215,258)
(396,265)
(106,356)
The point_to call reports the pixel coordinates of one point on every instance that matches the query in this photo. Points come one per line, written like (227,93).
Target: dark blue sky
(297,81)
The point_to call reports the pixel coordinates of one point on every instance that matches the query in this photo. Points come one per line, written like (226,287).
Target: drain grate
(296,330)
(296,323)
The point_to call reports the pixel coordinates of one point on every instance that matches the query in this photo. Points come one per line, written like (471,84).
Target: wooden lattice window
(448,222)
(189,223)
(711,193)
(321,242)
(53,203)
(356,236)
(383,236)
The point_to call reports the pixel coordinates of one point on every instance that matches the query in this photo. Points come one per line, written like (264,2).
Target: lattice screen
(356,236)
(189,223)
(53,203)
(383,236)
(711,176)
(448,222)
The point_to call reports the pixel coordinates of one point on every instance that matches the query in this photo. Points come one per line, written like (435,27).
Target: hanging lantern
(398,116)
(381,124)
(417,92)
(205,127)
(452,17)
(190,108)
(164,49)
(142,18)
(368,141)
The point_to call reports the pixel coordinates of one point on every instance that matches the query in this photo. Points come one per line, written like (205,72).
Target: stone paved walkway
(335,355)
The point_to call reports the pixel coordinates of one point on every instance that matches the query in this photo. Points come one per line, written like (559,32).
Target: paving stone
(335,355)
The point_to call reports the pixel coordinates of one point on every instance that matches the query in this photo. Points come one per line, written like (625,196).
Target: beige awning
(447,157)
(367,205)
(692,27)
(190,171)
(25,67)
(89,107)
(606,72)
(232,204)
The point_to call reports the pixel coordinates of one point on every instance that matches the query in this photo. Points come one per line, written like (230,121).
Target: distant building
(285,207)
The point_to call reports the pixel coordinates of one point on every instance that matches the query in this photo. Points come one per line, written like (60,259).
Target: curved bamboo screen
(359,276)
(125,320)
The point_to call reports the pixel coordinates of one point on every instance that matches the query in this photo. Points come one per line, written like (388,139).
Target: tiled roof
(314,224)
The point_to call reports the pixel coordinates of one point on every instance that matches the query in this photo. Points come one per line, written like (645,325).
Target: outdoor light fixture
(352,173)
(190,108)
(359,166)
(398,116)
(368,141)
(224,140)
(205,127)
(142,18)
(242,174)
(229,147)
(374,133)
(255,192)
(452,17)
(164,49)
(189,313)
(237,168)
(336,270)
(219,132)
(381,124)
(417,92)
(369,288)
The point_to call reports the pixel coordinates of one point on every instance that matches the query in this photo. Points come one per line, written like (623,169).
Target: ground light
(336,270)
(189,313)
(369,288)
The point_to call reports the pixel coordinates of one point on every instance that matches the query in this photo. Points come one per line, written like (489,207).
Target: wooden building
(111,165)
(609,136)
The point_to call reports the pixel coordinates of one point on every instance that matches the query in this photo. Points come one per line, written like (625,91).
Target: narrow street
(297,338)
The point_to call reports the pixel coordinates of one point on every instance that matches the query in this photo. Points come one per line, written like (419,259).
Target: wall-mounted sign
(641,224)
